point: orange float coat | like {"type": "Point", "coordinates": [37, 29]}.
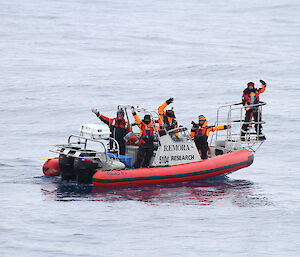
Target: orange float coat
{"type": "Point", "coordinates": [205, 130]}
{"type": "Point", "coordinates": [144, 128]}
{"type": "Point", "coordinates": [122, 124]}
{"type": "Point", "coordinates": [164, 119]}
{"type": "Point", "coordinates": [251, 96]}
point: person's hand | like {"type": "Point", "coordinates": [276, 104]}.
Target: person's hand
{"type": "Point", "coordinates": [227, 126]}
{"type": "Point", "coordinates": [170, 100]}
{"type": "Point", "coordinates": [133, 110]}
{"type": "Point", "coordinates": [194, 124]}
{"type": "Point", "coordinates": [262, 82]}
{"type": "Point", "coordinates": [96, 111]}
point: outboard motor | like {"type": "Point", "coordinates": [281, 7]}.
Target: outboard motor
{"type": "Point", "coordinates": [66, 165]}
{"type": "Point", "coordinates": [84, 169]}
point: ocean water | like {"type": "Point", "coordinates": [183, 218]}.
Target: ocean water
{"type": "Point", "coordinates": [59, 59]}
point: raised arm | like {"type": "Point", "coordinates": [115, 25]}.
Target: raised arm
{"type": "Point", "coordinates": [137, 119]}
{"type": "Point", "coordinates": [263, 87]}
{"type": "Point", "coordinates": [103, 118]}
{"type": "Point", "coordinates": [161, 110]}
{"type": "Point", "coordinates": [222, 127]}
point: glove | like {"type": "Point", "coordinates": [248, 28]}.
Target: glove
{"type": "Point", "coordinates": [142, 141]}
{"type": "Point", "coordinates": [133, 113]}
{"type": "Point", "coordinates": [262, 82]}
{"type": "Point", "coordinates": [227, 126]}
{"type": "Point", "coordinates": [194, 124]}
{"type": "Point", "coordinates": [169, 101]}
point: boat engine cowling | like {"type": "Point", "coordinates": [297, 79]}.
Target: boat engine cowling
{"type": "Point", "coordinates": [66, 167]}
{"type": "Point", "coordinates": [85, 168]}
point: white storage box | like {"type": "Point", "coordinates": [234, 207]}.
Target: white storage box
{"type": "Point", "coordinates": [94, 131]}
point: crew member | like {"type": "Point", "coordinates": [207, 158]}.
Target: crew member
{"type": "Point", "coordinates": [146, 136]}
{"type": "Point", "coordinates": [167, 118]}
{"type": "Point", "coordinates": [251, 97]}
{"type": "Point", "coordinates": [200, 133]}
{"type": "Point", "coordinates": [118, 127]}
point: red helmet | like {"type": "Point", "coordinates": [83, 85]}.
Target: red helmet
{"type": "Point", "coordinates": [250, 84]}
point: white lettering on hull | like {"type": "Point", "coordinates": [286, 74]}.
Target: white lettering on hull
{"type": "Point", "coordinates": [182, 157]}
{"type": "Point", "coordinates": [170, 148]}
{"type": "Point", "coordinates": [165, 159]}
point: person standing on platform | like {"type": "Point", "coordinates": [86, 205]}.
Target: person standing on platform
{"type": "Point", "coordinates": [251, 97]}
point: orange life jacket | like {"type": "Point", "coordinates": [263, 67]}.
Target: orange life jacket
{"type": "Point", "coordinates": [146, 129]}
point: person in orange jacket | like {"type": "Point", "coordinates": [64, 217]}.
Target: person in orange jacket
{"type": "Point", "coordinates": [146, 136]}
{"type": "Point", "coordinates": [200, 133]}
{"type": "Point", "coordinates": [167, 118]}
{"type": "Point", "coordinates": [250, 97]}
{"type": "Point", "coordinates": [118, 127]}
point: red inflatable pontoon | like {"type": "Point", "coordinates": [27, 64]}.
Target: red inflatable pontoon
{"type": "Point", "coordinates": [222, 164]}
{"type": "Point", "coordinates": [51, 167]}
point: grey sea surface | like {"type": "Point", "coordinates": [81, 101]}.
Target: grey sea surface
{"type": "Point", "coordinates": [59, 59]}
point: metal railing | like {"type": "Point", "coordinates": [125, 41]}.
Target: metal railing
{"type": "Point", "coordinates": [234, 116]}
{"type": "Point", "coordinates": [77, 148]}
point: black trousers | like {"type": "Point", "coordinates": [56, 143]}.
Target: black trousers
{"type": "Point", "coordinates": [121, 143]}
{"type": "Point", "coordinates": [257, 118]}
{"type": "Point", "coordinates": [143, 156]}
{"type": "Point", "coordinates": [203, 147]}
{"type": "Point", "coordinates": [122, 148]}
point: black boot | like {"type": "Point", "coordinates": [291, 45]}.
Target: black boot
{"type": "Point", "coordinates": [261, 137]}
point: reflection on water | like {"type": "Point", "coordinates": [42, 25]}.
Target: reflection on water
{"type": "Point", "coordinates": [218, 190]}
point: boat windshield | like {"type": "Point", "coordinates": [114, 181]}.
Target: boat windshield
{"type": "Point", "coordinates": [180, 134]}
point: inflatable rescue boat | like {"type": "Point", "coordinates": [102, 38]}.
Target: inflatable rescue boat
{"type": "Point", "coordinates": [93, 155]}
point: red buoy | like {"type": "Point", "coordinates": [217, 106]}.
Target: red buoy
{"type": "Point", "coordinates": [51, 167]}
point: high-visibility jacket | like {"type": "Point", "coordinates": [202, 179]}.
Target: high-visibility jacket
{"type": "Point", "coordinates": [251, 96]}
{"type": "Point", "coordinates": [118, 128]}
{"type": "Point", "coordinates": [146, 131]}
{"type": "Point", "coordinates": [202, 133]}
{"type": "Point", "coordinates": [170, 123]}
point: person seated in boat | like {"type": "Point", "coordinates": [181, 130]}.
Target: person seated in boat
{"type": "Point", "coordinates": [200, 133]}
{"type": "Point", "coordinates": [251, 97]}
{"type": "Point", "coordinates": [167, 118]}
{"type": "Point", "coordinates": [146, 148]}
{"type": "Point", "coordinates": [118, 127]}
